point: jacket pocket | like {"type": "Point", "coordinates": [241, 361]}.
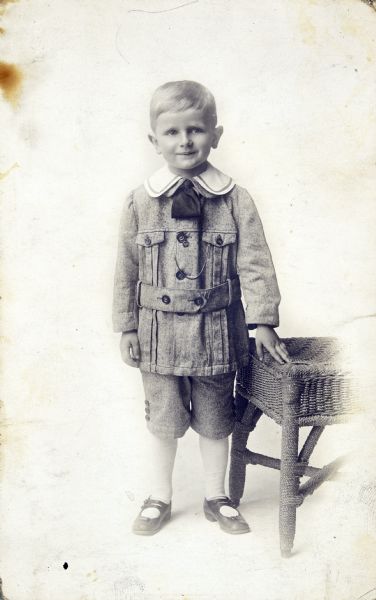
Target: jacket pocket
{"type": "Point", "coordinates": [149, 250]}
{"type": "Point", "coordinates": [219, 247]}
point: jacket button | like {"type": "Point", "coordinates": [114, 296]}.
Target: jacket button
{"type": "Point", "coordinates": [181, 237]}
{"type": "Point", "coordinates": [180, 275]}
{"type": "Point", "coordinates": [198, 301]}
{"type": "Point", "coordinates": [166, 299]}
{"type": "Point", "coordinates": [219, 240]}
{"type": "Point", "coordinates": [147, 240]}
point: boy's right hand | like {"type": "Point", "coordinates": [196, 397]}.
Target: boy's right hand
{"type": "Point", "coordinates": [130, 348]}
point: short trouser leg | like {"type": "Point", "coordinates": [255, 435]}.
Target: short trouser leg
{"type": "Point", "coordinates": [173, 403]}
{"type": "Point", "coordinates": [167, 404]}
{"type": "Point", "coordinates": [213, 408]}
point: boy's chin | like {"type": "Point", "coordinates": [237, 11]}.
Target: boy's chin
{"type": "Point", "coordinates": [189, 171]}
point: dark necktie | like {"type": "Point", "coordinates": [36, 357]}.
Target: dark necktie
{"type": "Point", "coordinates": [186, 202]}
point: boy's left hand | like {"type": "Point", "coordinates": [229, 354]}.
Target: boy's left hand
{"type": "Point", "coordinates": [267, 338]}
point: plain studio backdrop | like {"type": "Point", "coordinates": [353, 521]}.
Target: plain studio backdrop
{"type": "Point", "coordinates": [295, 89]}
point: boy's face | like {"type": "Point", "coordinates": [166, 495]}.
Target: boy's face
{"type": "Point", "coordinates": [185, 139]}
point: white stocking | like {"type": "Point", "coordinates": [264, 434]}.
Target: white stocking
{"type": "Point", "coordinates": [214, 455]}
{"type": "Point", "coordinates": [162, 458]}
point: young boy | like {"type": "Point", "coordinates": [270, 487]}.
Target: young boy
{"type": "Point", "coordinates": [190, 241]}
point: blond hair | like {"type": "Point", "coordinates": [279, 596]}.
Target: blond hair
{"type": "Point", "coordinates": [177, 96]}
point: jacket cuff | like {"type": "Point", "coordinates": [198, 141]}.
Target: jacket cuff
{"type": "Point", "coordinates": [268, 316]}
{"type": "Point", "coordinates": [124, 322]}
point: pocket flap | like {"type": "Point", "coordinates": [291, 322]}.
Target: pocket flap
{"type": "Point", "coordinates": [219, 239]}
{"type": "Point", "coordinates": [149, 238]}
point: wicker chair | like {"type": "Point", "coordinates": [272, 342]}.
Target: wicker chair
{"type": "Point", "coordinates": [311, 390]}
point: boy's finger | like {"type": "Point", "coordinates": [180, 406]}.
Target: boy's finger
{"type": "Point", "coordinates": [127, 358]}
{"type": "Point", "coordinates": [135, 350]}
{"type": "Point", "coordinates": [275, 355]}
{"type": "Point", "coordinates": [282, 350]}
{"type": "Point", "coordinates": [259, 350]}
{"type": "Point", "coordinates": [283, 345]}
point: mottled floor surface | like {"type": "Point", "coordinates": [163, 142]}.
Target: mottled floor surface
{"type": "Point", "coordinates": [79, 474]}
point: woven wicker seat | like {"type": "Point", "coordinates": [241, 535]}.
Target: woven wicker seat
{"type": "Point", "coordinates": [313, 389]}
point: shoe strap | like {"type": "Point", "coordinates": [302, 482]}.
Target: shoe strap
{"type": "Point", "coordinates": [151, 503]}
{"type": "Point", "coordinates": [223, 501]}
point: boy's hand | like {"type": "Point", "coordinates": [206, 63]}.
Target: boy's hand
{"type": "Point", "coordinates": [267, 338]}
{"type": "Point", "coordinates": [130, 348]}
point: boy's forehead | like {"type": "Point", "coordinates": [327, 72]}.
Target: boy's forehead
{"type": "Point", "coordinates": [183, 117]}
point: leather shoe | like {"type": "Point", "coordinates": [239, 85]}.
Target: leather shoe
{"type": "Point", "coordinates": [230, 524]}
{"type": "Point", "coordinates": [144, 525]}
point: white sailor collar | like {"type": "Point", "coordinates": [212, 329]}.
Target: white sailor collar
{"type": "Point", "coordinates": [212, 180]}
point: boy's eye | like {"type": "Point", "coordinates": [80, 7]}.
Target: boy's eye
{"type": "Point", "coordinates": [196, 130]}
{"type": "Point", "coordinates": [171, 131]}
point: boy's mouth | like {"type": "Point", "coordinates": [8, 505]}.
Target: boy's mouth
{"type": "Point", "coordinates": [186, 153]}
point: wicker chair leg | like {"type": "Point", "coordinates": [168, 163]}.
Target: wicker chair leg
{"type": "Point", "coordinates": [287, 520]}
{"type": "Point", "coordinates": [238, 462]}
{"type": "Point", "coordinates": [237, 477]}
{"type": "Point", "coordinates": [289, 481]}
{"type": "Point", "coordinates": [250, 415]}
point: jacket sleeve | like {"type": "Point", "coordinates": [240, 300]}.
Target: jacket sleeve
{"type": "Point", "coordinates": [254, 264]}
{"type": "Point", "coordinates": [124, 314]}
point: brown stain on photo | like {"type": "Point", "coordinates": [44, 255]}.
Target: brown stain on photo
{"type": "Point", "coordinates": [3, 8]}
{"type": "Point", "coordinates": [307, 29]}
{"type": "Point", "coordinates": [6, 173]}
{"type": "Point", "coordinates": [3, 4]}
{"type": "Point", "coordinates": [10, 81]}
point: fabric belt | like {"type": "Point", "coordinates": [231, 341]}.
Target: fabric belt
{"type": "Point", "coordinates": [188, 301]}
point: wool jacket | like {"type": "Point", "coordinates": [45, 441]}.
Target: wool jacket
{"type": "Point", "coordinates": [185, 257]}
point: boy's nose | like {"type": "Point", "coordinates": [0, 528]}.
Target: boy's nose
{"type": "Point", "coordinates": [185, 140]}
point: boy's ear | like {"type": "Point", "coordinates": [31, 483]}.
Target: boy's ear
{"type": "Point", "coordinates": [217, 136]}
{"type": "Point", "coordinates": [154, 141]}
